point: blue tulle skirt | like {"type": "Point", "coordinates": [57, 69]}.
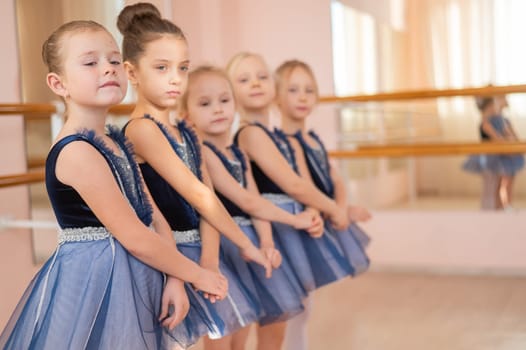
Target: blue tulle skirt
{"type": "Point", "coordinates": [353, 242]}
{"type": "Point", "coordinates": [315, 261]}
{"type": "Point", "coordinates": [239, 309]}
{"type": "Point", "coordinates": [280, 296]}
{"type": "Point", "coordinates": [90, 295]}
{"type": "Point", "coordinates": [363, 238]}
{"type": "Point", "coordinates": [507, 164]}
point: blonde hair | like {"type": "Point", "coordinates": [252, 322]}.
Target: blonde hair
{"type": "Point", "coordinates": [196, 73]}
{"type": "Point", "coordinates": [232, 66]}
{"type": "Point", "coordinates": [284, 71]}
{"type": "Point", "coordinates": [52, 47]}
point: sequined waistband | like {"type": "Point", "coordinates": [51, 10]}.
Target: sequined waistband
{"type": "Point", "coordinates": [242, 220]}
{"type": "Point", "coordinates": [82, 234]}
{"type": "Point", "coordinates": [188, 236]}
{"type": "Point", "coordinates": [278, 198]}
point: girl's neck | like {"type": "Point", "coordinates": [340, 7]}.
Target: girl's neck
{"type": "Point", "coordinates": [220, 141]}
{"type": "Point", "coordinates": [144, 106]}
{"type": "Point", "coordinates": [80, 117]}
{"type": "Point", "coordinates": [261, 116]}
{"type": "Point", "coordinates": [291, 126]}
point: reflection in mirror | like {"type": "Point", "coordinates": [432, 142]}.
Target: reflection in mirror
{"type": "Point", "coordinates": [464, 181]}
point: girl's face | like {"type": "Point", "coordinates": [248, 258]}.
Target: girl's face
{"type": "Point", "coordinates": [93, 74]}
{"type": "Point", "coordinates": [253, 84]}
{"type": "Point", "coordinates": [210, 104]}
{"type": "Point", "coordinates": [162, 72]}
{"type": "Point", "coordinates": [499, 103]}
{"type": "Point", "coordinates": [297, 96]}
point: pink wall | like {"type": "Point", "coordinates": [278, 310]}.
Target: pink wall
{"type": "Point", "coordinates": [279, 30]}
{"type": "Point", "coordinates": [16, 262]}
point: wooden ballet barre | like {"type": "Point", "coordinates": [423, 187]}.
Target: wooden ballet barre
{"type": "Point", "coordinates": [45, 110]}
{"type": "Point", "coordinates": [26, 108]}
{"type": "Point", "coordinates": [426, 94]}
{"type": "Point", "coordinates": [431, 149]}
{"type": "Point", "coordinates": [22, 179]}
{"type": "Point", "coordinates": [373, 151]}
{"type": "Point", "coordinates": [35, 162]}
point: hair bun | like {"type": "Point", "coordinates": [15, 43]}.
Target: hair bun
{"type": "Point", "coordinates": [132, 13]}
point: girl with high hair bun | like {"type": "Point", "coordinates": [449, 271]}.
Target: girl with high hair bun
{"type": "Point", "coordinates": [169, 155]}
{"type": "Point", "coordinates": [102, 288]}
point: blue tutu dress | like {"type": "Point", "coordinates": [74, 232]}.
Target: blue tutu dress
{"type": "Point", "coordinates": [280, 296]}
{"type": "Point", "coordinates": [499, 164]}
{"type": "Point", "coordinates": [240, 307]}
{"type": "Point", "coordinates": [353, 239]}
{"type": "Point", "coordinates": [315, 261]}
{"type": "Point", "coordinates": [91, 293]}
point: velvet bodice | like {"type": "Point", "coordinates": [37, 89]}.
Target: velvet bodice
{"type": "Point", "coordinates": [264, 183]}
{"type": "Point", "coordinates": [180, 214]}
{"type": "Point", "coordinates": [235, 167]}
{"type": "Point", "coordinates": [69, 207]}
{"type": "Point", "coordinates": [317, 162]}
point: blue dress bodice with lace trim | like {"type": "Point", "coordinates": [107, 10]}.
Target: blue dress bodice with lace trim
{"type": "Point", "coordinates": [70, 209]}
{"type": "Point", "coordinates": [91, 283]}
{"type": "Point", "coordinates": [237, 168]}
{"type": "Point", "coordinates": [264, 183]}
{"type": "Point", "coordinates": [317, 162]}
{"type": "Point", "coordinates": [181, 216]}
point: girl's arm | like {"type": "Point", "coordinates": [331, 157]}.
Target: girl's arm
{"type": "Point", "coordinates": [303, 169]}
{"type": "Point", "coordinates": [340, 192]}
{"type": "Point", "coordinates": [266, 242]}
{"type": "Point", "coordinates": [82, 167]}
{"type": "Point", "coordinates": [490, 130]}
{"type": "Point", "coordinates": [209, 235]}
{"type": "Point", "coordinates": [174, 293]}
{"type": "Point", "coordinates": [509, 131]}
{"type": "Point", "coordinates": [152, 146]}
{"type": "Point", "coordinates": [249, 199]}
{"type": "Point", "coordinates": [261, 149]}
{"type": "Point", "coordinates": [355, 213]}
{"type": "Point", "coordinates": [236, 235]}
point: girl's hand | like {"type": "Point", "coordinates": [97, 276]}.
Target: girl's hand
{"type": "Point", "coordinates": [317, 226]}
{"type": "Point", "coordinates": [212, 283]}
{"type": "Point", "coordinates": [251, 253]}
{"type": "Point", "coordinates": [358, 214]}
{"type": "Point", "coordinates": [304, 220]}
{"type": "Point", "coordinates": [339, 219]}
{"type": "Point", "coordinates": [174, 300]}
{"type": "Point", "coordinates": [273, 255]}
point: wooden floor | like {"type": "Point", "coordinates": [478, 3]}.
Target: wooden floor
{"type": "Point", "coordinates": [397, 311]}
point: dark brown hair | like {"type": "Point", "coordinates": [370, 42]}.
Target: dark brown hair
{"type": "Point", "coordinates": [51, 49]}
{"type": "Point", "coordinates": [140, 24]}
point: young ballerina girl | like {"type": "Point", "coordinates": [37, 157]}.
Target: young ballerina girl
{"type": "Point", "coordinates": [156, 60]}
{"type": "Point", "coordinates": [499, 170]}
{"type": "Point", "coordinates": [101, 289]}
{"type": "Point", "coordinates": [317, 260]}
{"type": "Point", "coordinates": [297, 95]}
{"type": "Point", "coordinates": [209, 105]}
